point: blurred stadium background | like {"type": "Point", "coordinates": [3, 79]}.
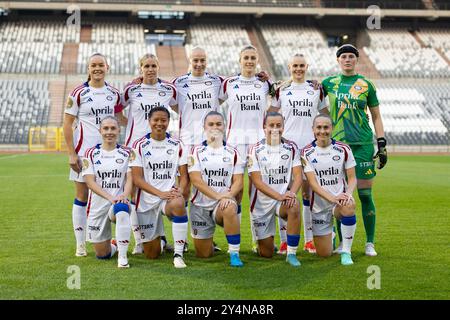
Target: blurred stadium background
{"type": "Point", "coordinates": [42, 57]}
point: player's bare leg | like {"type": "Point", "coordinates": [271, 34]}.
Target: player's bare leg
{"type": "Point", "coordinates": [152, 249]}
{"type": "Point", "coordinates": [307, 219]}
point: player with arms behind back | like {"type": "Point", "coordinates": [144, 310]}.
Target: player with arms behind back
{"type": "Point", "coordinates": [216, 171]}
{"type": "Point", "coordinates": [329, 166]}
{"type": "Point", "coordinates": [106, 172]}
{"type": "Point", "coordinates": [299, 103]}
{"type": "Point", "coordinates": [272, 164]}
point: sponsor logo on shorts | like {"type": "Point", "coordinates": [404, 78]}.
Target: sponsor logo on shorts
{"type": "Point", "coordinates": [316, 221]}
{"type": "Point", "coordinates": [94, 228]}
{"type": "Point", "coordinates": [199, 223]}
{"type": "Point", "coordinates": [146, 226]}
{"type": "Point", "coordinates": [336, 158]}
{"type": "Point", "coordinates": [259, 224]}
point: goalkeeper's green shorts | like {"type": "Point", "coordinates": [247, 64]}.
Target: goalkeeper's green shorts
{"type": "Point", "coordinates": [365, 165]}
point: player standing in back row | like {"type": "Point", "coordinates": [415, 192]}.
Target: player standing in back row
{"type": "Point", "coordinates": [299, 103]}
{"type": "Point", "coordinates": [88, 104]}
{"type": "Point", "coordinates": [247, 100]}
{"type": "Point", "coordinates": [350, 95]}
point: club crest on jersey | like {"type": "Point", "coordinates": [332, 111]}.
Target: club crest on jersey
{"type": "Point", "coordinates": [109, 98]}
{"type": "Point", "coordinates": [69, 103]}
{"type": "Point", "coordinates": [310, 92]}
{"type": "Point", "coordinates": [85, 164]}
{"type": "Point", "coordinates": [139, 95]}
{"type": "Point", "coordinates": [162, 94]}
{"type": "Point", "coordinates": [284, 157]}
{"type": "Point", "coordinates": [336, 158]}
{"type": "Point", "coordinates": [119, 161]}
{"type": "Point", "coordinates": [208, 83]}
{"type": "Point", "coordinates": [170, 151]}
{"type": "Point", "coordinates": [226, 159]}
{"type": "Point", "coordinates": [190, 161]}
{"type": "Point", "coordinates": [257, 85]}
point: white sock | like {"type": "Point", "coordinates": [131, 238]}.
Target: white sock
{"type": "Point", "coordinates": [79, 220]}
{"type": "Point", "coordinates": [291, 250]}
{"type": "Point", "coordinates": [307, 223]}
{"type": "Point", "coordinates": [123, 230]}
{"type": "Point", "coordinates": [234, 247]}
{"type": "Point", "coordinates": [135, 224]}
{"type": "Point", "coordinates": [186, 207]}
{"type": "Point", "coordinates": [113, 250]}
{"type": "Point", "coordinates": [348, 227]}
{"type": "Point", "coordinates": [179, 231]}
{"type": "Point", "coordinates": [282, 224]}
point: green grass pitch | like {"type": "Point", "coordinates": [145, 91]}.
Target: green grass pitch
{"type": "Point", "coordinates": [413, 242]}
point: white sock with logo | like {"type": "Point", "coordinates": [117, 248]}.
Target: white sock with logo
{"type": "Point", "coordinates": [79, 220]}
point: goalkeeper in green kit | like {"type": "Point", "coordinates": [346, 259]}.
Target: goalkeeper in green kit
{"type": "Point", "coordinates": [350, 96]}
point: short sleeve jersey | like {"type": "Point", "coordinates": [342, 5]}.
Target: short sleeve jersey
{"type": "Point", "coordinates": [140, 99]}
{"type": "Point", "coordinates": [160, 161]}
{"type": "Point", "coordinates": [217, 167]}
{"type": "Point", "coordinates": [247, 105]}
{"type": "Point", "coordinates": [275, 164]}
{"type": "Point", "coordinates": [299, 104]}
{"type": "Point", "coordinates": [329, 165]}
{"type": "Point", "coordinates": [90, 106]}
{"type": "Point", "coordinates": [349, 98]}
{"type": "Point", "coordinates": [196, 97]}
{"type": "Point", "coordinates": [109, 169]}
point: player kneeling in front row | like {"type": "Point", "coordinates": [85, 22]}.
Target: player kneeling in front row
{"type": "Point", "coordinates": [106, 172]}
{"type": "Point", "coordinates": [272, 163]}
{"type": "Point", "coordinates": [157, 160]}
{"type": "Point", "coordinates": [216, 172]}
{"type": "Point", "coordinates": [327, 164]}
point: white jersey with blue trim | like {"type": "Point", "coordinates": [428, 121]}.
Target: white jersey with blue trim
{"type": "Point", "coordinates": [140, 99]}
{"type": "Point", "coordinates": [217, 166]}
{"type": "Point", "coordinates": [91, 105]}
{"type": "Point", "coordinates": [110, 171]}
{"type": "Point", "coordinates": [299, 104]}
{"type": "Point", "coordinates": [160, 161]}
{"type": "Point", "coordinates": [247, 100]}
{"type": "Point", "coordinates": [329, 165]}
{"type": "Point", "coordinates": [275, 163]}
{"type": "Point", "coordinates": [196, 97]}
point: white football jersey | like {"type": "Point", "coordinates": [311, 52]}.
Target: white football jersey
{"type": "Point", "coordinates": [247, 104]}
{"type": "Point", "coordinates": [299, 104]}
{"type": "Point", "coordinates": [329, 165]}
{"type": "Point", "coordinates": [160, 161]}
{"type": "Point", "coordinates": [140, 99]}
{"type": "Point", "coordinates": [217, 166]}
{"type": "Point", "coordinates": [196, 97]}
{"type": "Point", "coordinates": [90, 105]}
{"type": "Point", "coordinates": [110, 170]}
{"type": "Point", "coordinates": [275, 164]}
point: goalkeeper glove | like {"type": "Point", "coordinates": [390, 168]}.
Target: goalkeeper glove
{"type": "Point", "coordinates": [382, 153]}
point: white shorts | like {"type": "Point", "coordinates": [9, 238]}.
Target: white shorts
{"type": "Point", "coordinates": [322, 222]}
{"type": "Point", "coordinates": [203, 221]}
{"type": "Point", "coordinates": [264, 223]}
{"type": "Point", "coordinates": [99, 225]}
{"type": "Point", "coordinates": [73, 176]}
{"type": "Point", "coordinates": [151, 223]}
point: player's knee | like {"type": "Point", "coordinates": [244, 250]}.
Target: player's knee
{"type": "Point", "coordinates": [323, 253]}
{"type": "Point", "coordinates": [295, 210]}
{"type": "Point", "coordinates": [266, 251]}
{"type": "Point", "coordinates": [348, 210]}
{"type": "Point", "coordinates": [119, 207]}
{"type": "Point", "coordinates": [229, 212]}
{"type": "Point", "coordinates": [178, 205]}
{"type": "Point", "coordinates": [305, 196]}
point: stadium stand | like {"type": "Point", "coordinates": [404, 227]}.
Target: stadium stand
{"type": "Point", "coordinates": [262, 3]}
{"type": "Point", "coordinates": [25, 103]}
{"type": "Point", "coordinates": [222, 43]}
{"type": "Point", "coordinates": [398, 4]}
{"type": "Point", "coordinates": [285, 41]}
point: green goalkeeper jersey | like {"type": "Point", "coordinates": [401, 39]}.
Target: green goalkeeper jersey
{"type": "Point", "coordinates": [349, 97]}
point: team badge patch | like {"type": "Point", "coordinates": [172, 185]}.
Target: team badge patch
{"type": "Point", "coordinates": [190, 161]}
{"type": "Point", "coordinates": [336, 158]}
{"type": "Point", "coordinates": [119, 161]}
{"type": "Point", "coordinates": [85, 163]}
{"type": "Point", "coordinates": [284, 157]}
{"type": "Point", "coordinates": [132, 155]}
